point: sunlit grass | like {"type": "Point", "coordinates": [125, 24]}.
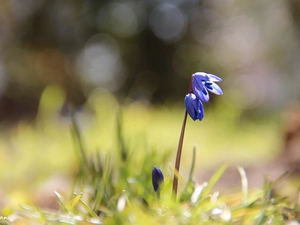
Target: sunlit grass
{"type": "Point", "coordinates": [122, 143]}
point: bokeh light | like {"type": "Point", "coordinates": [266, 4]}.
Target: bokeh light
{"type": "Point", "coordinates": [167, 22]}
{"type": "Point", "coordinates": [124, 19]}
{"type": "Point", "coordinates": [99, 63]}
{"type": "Point", "coordinates": [109, 45]}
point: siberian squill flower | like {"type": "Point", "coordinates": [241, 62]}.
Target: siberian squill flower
{"type": "Point", "coordinates": [157, 179]}
{"type": "Point", "coordinates": [201, 84]}
{"type": "Point", "coordinates": [204, 82]}
{"type": "Point", "coordinates": [194, 107]}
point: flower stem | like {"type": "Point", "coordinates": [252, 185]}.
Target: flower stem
{"type": "Point", "coordinates": [158, 194]}
{"type": "Point", "coordinates": [178, 156]}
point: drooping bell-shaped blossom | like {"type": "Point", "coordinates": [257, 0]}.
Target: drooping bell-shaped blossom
{"type": "Point", "coordinates": [204, 82]}
{"type": "Point", "coordinates": [194, 107]}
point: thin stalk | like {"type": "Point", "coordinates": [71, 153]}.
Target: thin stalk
{"type": "Point", "coordinates": [158, 194]}
{"type": "Point", "coordinates": [178, 156]}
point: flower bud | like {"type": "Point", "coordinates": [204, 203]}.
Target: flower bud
{"type": "Point", "coordinates": [194, 107]}
{"type": "Point", "coordinates": [157, 178]}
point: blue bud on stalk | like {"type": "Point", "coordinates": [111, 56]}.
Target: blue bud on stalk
{"type": "Point", "coordinates": [157, 178]}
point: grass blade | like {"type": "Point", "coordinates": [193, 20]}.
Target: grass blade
{"type": "Point", "coordinates": [244, 181]}
{"type": "Point", "coordinates": [281, 178]}
{"type": "Point", "coordinates": [122, 146]}
{"type": "Point", "coordinates": [88, 209]}
{"type": "Point", "coordinates": [61, 201]}
{"type": "Point", "coordinates": [184, 194]}
{"type": "Point", "coordinates": [179, 177]}
{"type": "Point", "coordinates": [73, 201]}
{"type": "Point", "coordinates": [213, 180]}
{"type": "Point", "coordinates": [267, 196]}
{"type": "Point", "coordinates": [79, 144]}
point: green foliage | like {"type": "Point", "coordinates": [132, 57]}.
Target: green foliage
{"type": "Point", "coordinates": [131, 207]}
{"type": "Point", "coordinates": [113, 160]}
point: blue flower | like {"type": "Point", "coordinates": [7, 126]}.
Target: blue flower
{"type": "Point", "coordinates": [194, 107]}
{"type": "Point", "coordinates": [204, 82]}
{"type": "Point", "coordinates": [157, 178]}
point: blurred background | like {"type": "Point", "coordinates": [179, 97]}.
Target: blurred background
{"type": "Point", "coordinates": [94, 56]}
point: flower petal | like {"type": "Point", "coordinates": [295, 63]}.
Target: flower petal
{"type": "Point", "coordinates": [214, 78]}
{"type": "Point", "coordinates": [197, 83]}
{"type": "Point", "coordinates": [200, 110]}
{"type": "Point", "coordinates": [194, 107]}
{"type": "Point", "coordinates": [201, 94]}
{"type": "Point", "coordinates": [191, 105]}
{"type": "Point", "coordinates": [202, 76]}
{"type": "Point", "coordinates": [214, 88]}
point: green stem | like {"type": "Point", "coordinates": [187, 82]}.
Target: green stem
{"type": "Point", "coordinates": [158, 194]}
{"type": "Point", "coordinates": [178, 156]}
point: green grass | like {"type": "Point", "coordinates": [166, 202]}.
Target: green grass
{"type": "Point", "coordinates": [106, 154]}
